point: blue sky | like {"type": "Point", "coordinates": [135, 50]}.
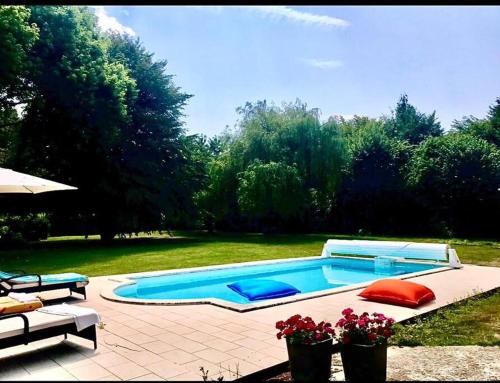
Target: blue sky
{"type": "Point", "coordinates": [342, 60]}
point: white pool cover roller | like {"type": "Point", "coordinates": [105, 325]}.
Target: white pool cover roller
{"type": "Point", "coordinates": [411, 250]}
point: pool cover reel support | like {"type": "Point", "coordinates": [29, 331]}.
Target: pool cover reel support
{"type": "Point", "coordinates": [453, 259]}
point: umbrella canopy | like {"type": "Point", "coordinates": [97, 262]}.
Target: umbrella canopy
{"type": "Point", "coordinates": [15, 182]}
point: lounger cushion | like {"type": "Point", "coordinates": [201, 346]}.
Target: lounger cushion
{"type": "Point", "coordinates": [47, 279]}
{"type": "Point", "coordinates": [10, 305]}
{"type": "Point", "coordinates": [398, 292]}
{"type": "Point", "coordinates": [256, 289]}
{"type": "Point", "coordinates": [37, 320]}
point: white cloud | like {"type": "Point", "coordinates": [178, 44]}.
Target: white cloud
{"type": "Point", "coordinates": [290, 14]}
{"type": "Point", "coordinates": [110, 23]}
{"type": "Point", "coordinates": [324, 64]}
{"type": "Point", "coordinates": [281, 12]}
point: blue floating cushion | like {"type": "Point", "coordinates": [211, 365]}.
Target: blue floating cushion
{"type": "Point", "coordinates": [256, 289]}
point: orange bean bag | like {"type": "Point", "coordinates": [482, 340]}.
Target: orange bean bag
{"type": "Point", "coordinates": [398, 292]}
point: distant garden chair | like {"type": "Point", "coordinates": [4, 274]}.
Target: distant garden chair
{"type": "Point", "coordinates": [19, 281]}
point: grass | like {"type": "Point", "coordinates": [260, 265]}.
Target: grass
{"type": "Point", "coordinates": [191, 249]}
{"type": "Point", "coordinates": [474, 321]}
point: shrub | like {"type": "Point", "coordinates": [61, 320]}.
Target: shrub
{"type": "Point", "coordinates": [456, 177]}
{"type": "Point", "coordinates": [16, 229]}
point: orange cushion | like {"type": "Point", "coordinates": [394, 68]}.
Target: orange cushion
{"type": "Point", "coordinates": [398, 292]}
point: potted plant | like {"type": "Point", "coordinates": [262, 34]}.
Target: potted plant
{"type": "Point", "coordinates": [309, 348]}
{"type": "Point", "coordinates": [363, 342]}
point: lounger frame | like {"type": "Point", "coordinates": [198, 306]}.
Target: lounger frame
{"type": "Point", "coordinates": [30, 336]}
{"type": "Point", "coordinates": [74, 287]}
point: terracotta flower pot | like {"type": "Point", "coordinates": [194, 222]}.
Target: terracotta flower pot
{"type": "Point", "coordinates": [364, 362]}
{"type": "Point", "coordinates": [310, 363]}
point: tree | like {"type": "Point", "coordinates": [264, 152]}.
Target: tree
{"type": "Point", "coordinates": [291, 135]}
{"type": "Point", "coordinates": [106, 118]}
{"type": "Point", "coordinates": [408, 124]}
{"type": "Point", "coordinates": [18, 36]}
{"type": "Point", "coordinates": [457, 177]}
{"type": "Point", "coordinates": [271, 193]}
{"type": "Point", "coordinates": [487, 128]}
{"type": "Point", "coordinates": [372, 197]}
{"type": "Point", "coordinates": [154, 154]}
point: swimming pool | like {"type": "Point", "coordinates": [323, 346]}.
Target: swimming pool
{"type": "Point", "coordinates": [318, 274]}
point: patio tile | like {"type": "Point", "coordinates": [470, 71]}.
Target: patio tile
{"type": "Point", "coordinates": [52, 374]}
{"type": "Point", "coordinates": [201, 337]}
{"type": "Point", "coordinates": [141, 338]}
{"type": "Point", "coordinates": [228, 335]}
{"type": "Point", "coordinates": [180, 329]}
{"type": "Point", "coordinates": [158, 346]}
{"type": "Point", "coordinates": [166, 369]}
{"type": "Point", "coordinates": [277, 352]}
{"type": "Point", "coordinates": [251, 344]}
{"type": "Point", "coordinates": [239, 367]}
{"type": "Point", "coordinates": [69, 359]}
{"type": "Point", "coordinates": [151, 330]}
{"type": "Point", "coordinates": [205, 327]}
{"type": "Point", "coordinates": [256, 334]}
{"type": "Point", "coordinates": [110, 378]}
{"type": "Point", "coordinates": [195, 366]}
{"type": "Point", "coordinates": [213, 355]}
{"type": "Point", "coordinates": [221, 344]}
{"type": "Point", "coordinates": [142, 357]}
{"type": "Point", "coordinates": [109, 359]}
{"type": "Point", "coordinates": [11, 370]}
{"type": "Point", "coordinates": [134, 323]}
{"type": "Point", "coordinates": [178, 356]}
{"type": "Point", "coordinates": [128, 370]}
{"type": "Point", "coordinates": [120, 330]}
{"type": "Point", "coordinates": [172, 316]}
{"type": "Point", "coordinates": [38, 362]}
{"type": "Point", "coordinates": [149, 378]}
{"type": "Point", "coordinates": [170, 338]}
{"type": "Point", "coordinates": [89, 372]}
{"type": "Point", "coordinates": [190, 345]}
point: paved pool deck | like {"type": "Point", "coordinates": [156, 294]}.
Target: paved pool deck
{"type": "Point", "coordinates": [150, 342]}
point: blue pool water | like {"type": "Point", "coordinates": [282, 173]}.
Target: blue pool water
{"type": "Point", "coordinates": [306, 275]}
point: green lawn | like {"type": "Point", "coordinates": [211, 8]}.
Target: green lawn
{"type": "Point", "coordinates": [475, 321]}
{"type": "Point", "coordinates": [190, 249]}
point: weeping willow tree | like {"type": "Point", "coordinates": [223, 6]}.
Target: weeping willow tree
{"type": "Point", "coordinates": [300, 156]}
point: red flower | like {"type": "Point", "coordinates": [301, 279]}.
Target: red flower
{"type": "Point", "coordinates": [347, 311]}
{"type": "Point", "coordinates": [372, 337]}
{"type": "Point", "coordinates": [280, 325]}
{"type": "Point", "coordinates": [362, 323]}
{"type": "Point", "coordinates": [279, 335]}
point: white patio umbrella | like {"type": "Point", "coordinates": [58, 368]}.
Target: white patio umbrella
{"type": "Point", "coordinates": [15, 182]}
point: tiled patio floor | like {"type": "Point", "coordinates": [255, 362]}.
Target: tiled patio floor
{"type": "Point", "coordinates": [146, 342]}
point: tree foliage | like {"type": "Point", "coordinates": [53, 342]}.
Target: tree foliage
{"type": "Point", "coordinates": [457, 177]}
{"type": "Point", "coordinates": [373, 192]}
{"type": "Point", "coordinates": [270, 193]}
{"type": "Point", "coordinates": [409, 124]}
{"type": "Point", "coordinates": [487, 128]}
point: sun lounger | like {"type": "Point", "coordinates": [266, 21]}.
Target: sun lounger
{"type": "Point", "coordinates": [19, 281]}
{"type": "Point", "coordinates": [17, 329]}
